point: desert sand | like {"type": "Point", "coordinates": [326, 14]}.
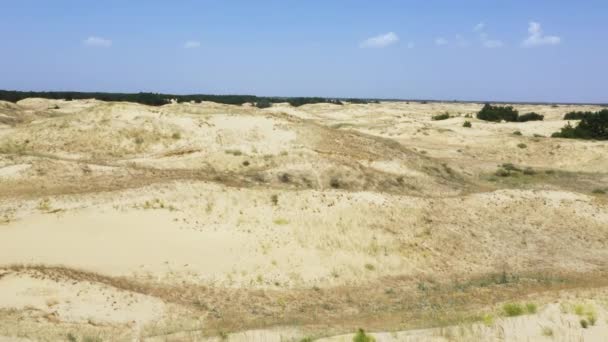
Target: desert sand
{"type": "Point", "coordinates": [210, 222]}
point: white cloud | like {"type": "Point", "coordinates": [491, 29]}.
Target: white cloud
{"type": "Point", "coordinates": [492, 44]}
{"type": "Point", "coordinates": [479, 27]}
{"type": "Point", "coordinates": [380, 41]}
{"type": "Point", "coordinates": [485, 38]}
{"type": "Point", "coordinates": [192, 44]}
{"type": "Point", "coordinates": [441, 41]}
{"type": "Point", "coordinates": [97, 42]}
{"type": "Point", "coordinates": [537, 37]}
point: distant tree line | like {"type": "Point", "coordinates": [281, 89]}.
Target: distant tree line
{"type": "Point", "coordinates": [157, 99]}
{"type": "Point", "coordinates": [506, 113]}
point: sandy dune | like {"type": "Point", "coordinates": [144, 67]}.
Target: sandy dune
{"type": "Point", "coordinates": [209, 222]}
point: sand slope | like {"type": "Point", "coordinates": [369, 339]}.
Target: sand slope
{"type": "Point", "coordinates": [204, 221]}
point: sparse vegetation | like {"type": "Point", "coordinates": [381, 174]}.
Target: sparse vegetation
{"type": "Point", "coordinates": [513, 309]}
{"type": "Point", "coordinates": [584, 323]}
{"type": "Point", "coordinates": [443, 116]}
{"type": "Point", "coordinates": [361, 336]}
{"type": "Point", "coordinates": [281, 221]}
{"type": "Point", "coordinates": [44, 205]}
{"type": "Point", "coordinates": [517, 133]}
{"type": "Point", "coordinates": [522, 145]}
{"type": "Point", "coordinates": [234, 152]}
{"type": "Point", "coordinates": [467, 124]}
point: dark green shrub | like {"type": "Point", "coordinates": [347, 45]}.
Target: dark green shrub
{"type": "Point", "coordinates": [584, 324]}
{"type": "Point", "coordinates": [497, 113]}
{"type": "Point", "coordinates": [443, 116]}
{"type": "Point", "coordinates": [517, 133]}
{"type": "Point", "coordinates": [530, 117]}
{"type": "Point", "coordinates": [591, 126]}
{"type": "Point", "coordinates": [467, 124]}
{"type": "Point", "coordinates": [576, 115]}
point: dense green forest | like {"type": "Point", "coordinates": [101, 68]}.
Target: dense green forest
{"type": "Point", "coordinates": [156, 99]}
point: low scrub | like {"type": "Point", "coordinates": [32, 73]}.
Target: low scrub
{"type": "Point", "coordinates": [530, 117]}
{"type": "Point", "coordinates": [506, 113]}
{"type": "Point", "coordinates": [591, 126]}
{"type": "Point", "coordinates": [497, 113]}
{"type": "Point", "coordinates": [443, 116]}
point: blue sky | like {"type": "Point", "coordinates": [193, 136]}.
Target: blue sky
{"type": "Point", "coordinates": [516, 50]}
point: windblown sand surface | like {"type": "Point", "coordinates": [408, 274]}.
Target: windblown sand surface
{"type": "Point", "coordinates": [210, 222]}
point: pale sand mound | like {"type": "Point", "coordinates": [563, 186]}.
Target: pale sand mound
{"type": "Point", "coordinates": [75, 302]}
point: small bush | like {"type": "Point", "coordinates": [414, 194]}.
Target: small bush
{"type": "Point", "coordinates": [361, 336]}
{"type": "Point", "coordinates": [547, 332]}
{"type": "Point", "coordinates": [467, 124]}
{"type": "Point", "coordinates": [599, 191]}
{"type": "Point", "coordinates": [274, 199]}
{"type": "Point", "coordinates": [246, 163]}
{"type": "Point", "coordinates": [531, 308]}
{"type": "Point", "coordinates": [176, 136]}
{"type": "Point", "coordinates": [530, 117]}
{"type": "Point", "coordinates": [285, 177]}
{"type": "Point", "coordinates": [370, 267]}
{"type": "Point", "coordinates": [488, 320]}
{"type": "Point", "coordinates": [584, 323]}
{"type": "Point", "coordinates": [234, 152]}
{"type": "Point", "coordinates": [497, 113]}
{"type": "Point", "coordinates": [522, 145]}
{"type": "Point", "coordinates": [513, 309]}
{"type": "Point", "coordinates": [280, 221]}
{"type": "Point", "coordinates": [443, 116]}
{"type": "Point", "coordinates": [334, 183]}
{"type": "Point", "coordinates": [517, 133]}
